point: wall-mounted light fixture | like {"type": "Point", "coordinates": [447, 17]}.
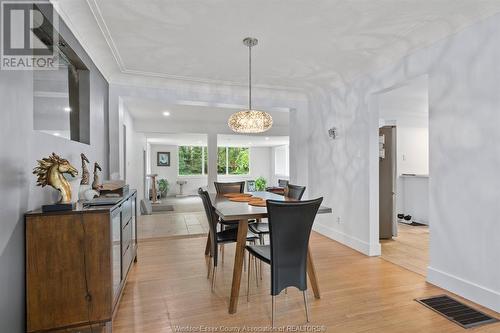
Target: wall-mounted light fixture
{"type": "Point", "coordinates": [333, 133]}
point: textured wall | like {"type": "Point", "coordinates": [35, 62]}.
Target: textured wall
{"type": "Point", "coordinates": [20, 147]}
{"type": "Point", "coordinates": [464, 104]}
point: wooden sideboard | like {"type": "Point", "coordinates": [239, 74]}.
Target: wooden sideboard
{"type": "Point", "coordinates": [77, 264]}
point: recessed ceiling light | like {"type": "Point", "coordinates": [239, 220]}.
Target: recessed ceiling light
{"type": "Point", "coordinates": [267, 138]}
{"type": "Point", "coordinates": [166, 113]}
{"type": "Point", "coordinates": [67, 109]}
{"type": "Point", "coordinates": [57, 134]}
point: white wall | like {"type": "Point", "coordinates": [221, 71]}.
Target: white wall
{"type": "Point", "coordinates": [464, 185]}
{"type": "Point", "coordinates": [20, 147]}
{"type": "Point", "coordinates": [412, 150]}
{"type": "Point", "coordinates": [275, 174]}
{"type": "Point", "coordinates": [260, 165]}
{"type": "Point", "coordinates": [135, 145]}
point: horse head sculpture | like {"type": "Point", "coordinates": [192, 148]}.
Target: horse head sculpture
{"type": "Point", "coordinates": [50, 171]}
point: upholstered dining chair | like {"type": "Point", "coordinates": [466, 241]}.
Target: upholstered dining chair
{"type": "Point", "coordinates": [294, 192]}
{"type": "Point", "coordinates": [217, 237]}
{"type": "Point", "coordinates": [290, 224]}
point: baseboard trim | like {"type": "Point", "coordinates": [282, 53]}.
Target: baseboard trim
{"type": "Point", "coordinates": [352, 242]}
{"type": "Point", "coordinates": [466, 289]}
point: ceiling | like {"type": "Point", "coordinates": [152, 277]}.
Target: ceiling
{"type": "Point", "coordinates": [300, 42]}
{"type": "Point", "coordinates": [188, 111]}
{"type": "Point", "coordinates": [192, 139]}
{"type": "Point", "coordinates": [409, 100]}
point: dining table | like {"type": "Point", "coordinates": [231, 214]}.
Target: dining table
{"type": "Point", "coordinates": [242, 212]}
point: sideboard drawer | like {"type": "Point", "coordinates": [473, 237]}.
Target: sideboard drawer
{"type": "Point", "coordinates": [126, 260]}
{"type": "Point", "coordinates": [126, 211]}
{"type": "Point", "coordinates": [126, 236]}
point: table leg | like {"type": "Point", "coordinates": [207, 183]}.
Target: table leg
{"type": "Point", "coordinates": [239, 256]}
{"type": "Point", "coordinates": [311, 271]}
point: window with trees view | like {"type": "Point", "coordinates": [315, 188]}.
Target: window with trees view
{"type": "Point", "coordinates": [233, 161]}
{"type": "Point", "coordinates": [193, 160]}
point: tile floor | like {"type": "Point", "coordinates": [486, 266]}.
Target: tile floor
{"type": "Point", "coordinates": [187, 220]}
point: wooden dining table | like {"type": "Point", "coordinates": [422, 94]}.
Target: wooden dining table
{"type": "Point", "coordinates": [242, 212]}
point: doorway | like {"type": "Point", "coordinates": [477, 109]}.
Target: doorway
{"type": "Point", "coordinates": [404, 175]}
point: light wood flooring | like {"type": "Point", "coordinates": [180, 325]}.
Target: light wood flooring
{"type": "Point", "coordinates": [410, 249]}
{"type": "Point", "coordinates": [168, 288]}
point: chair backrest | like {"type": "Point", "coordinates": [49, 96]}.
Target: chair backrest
{"type": "Point", "coordinates": [233, 187]}
{"type": "Point", "coordinates": [294, 191]}
{"type": "Point", "coordinates": [282, 182]}
{"type": "Point", "coordinates": [290, 225]}
{"type": "Point", "coordinates": [212, 220]}
{"type": "Point", "coordinates": [251, 186]}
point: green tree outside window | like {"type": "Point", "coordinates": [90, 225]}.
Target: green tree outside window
{"type": "Point", "coordinates": [191, 160]}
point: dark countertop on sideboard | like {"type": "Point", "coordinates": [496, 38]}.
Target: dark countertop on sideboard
{"type": "Point", "coordinates": [81, 209]}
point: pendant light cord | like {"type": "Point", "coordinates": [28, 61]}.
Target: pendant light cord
{"type": "Point", "coordinates": [250, 77]}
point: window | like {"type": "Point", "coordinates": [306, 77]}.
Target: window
{"type": "Point", "coordinates": [281, 161]}
{"type": "Point", "coordinates": [233, 161]}
{"type": "Point", "coordinates": [193, 160]}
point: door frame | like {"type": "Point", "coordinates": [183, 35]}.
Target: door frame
{"type": "Point", "coordinates": [375, 248]}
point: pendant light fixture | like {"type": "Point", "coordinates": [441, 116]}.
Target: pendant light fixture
{"type": "Point", "coordinates": [250, 121]}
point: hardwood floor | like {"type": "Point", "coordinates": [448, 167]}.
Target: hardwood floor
{"type": "Point", "coordinates": [168, 288]}
{"type": "Point", "coordinates": [410, 249]}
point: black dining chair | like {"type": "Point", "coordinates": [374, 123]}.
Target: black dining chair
{"type": "Point", "coordinates": [290, 225]}
{"type": "Point", "coordinates": [282, 182]}
{"type": "Point", "coordinates": [231, 187]}
{"type": "Point", "coordinates": [261, 228]}
{"type": "Point", "coordinates": [225, 188]}
{"type": "Point", "coordinates": [218, 237]}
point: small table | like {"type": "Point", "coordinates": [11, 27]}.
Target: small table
{"type": "Point", "coordinates": [242, 211]}
{"type": "Point", "coordinates": [181, 183]}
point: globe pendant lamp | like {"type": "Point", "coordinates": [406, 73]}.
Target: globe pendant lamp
{"type": "Point", "coordinates": [250, 121]}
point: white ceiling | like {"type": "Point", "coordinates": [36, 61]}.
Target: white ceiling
{"type": "Point", "coordinates": [407, 101]}
{"type": "Point", "coordinates": [191, 139]}
{"type": "Point", "coordinates": [190, 111]}
{"type": "Point", "coordinates": [300, 42]}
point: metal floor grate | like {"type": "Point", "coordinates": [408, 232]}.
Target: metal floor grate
{"type": "Point", "coordinates": [456, 311]}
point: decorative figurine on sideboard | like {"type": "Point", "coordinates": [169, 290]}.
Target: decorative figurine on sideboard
{"type": "Point", "coordinates": [96, 184]}
{"type": "Point", "coordinates": [50, 171]}
{"type": "Point", "coordinates": [85, 171]}
{"type": "Point", "coordinates": [86, 192]}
